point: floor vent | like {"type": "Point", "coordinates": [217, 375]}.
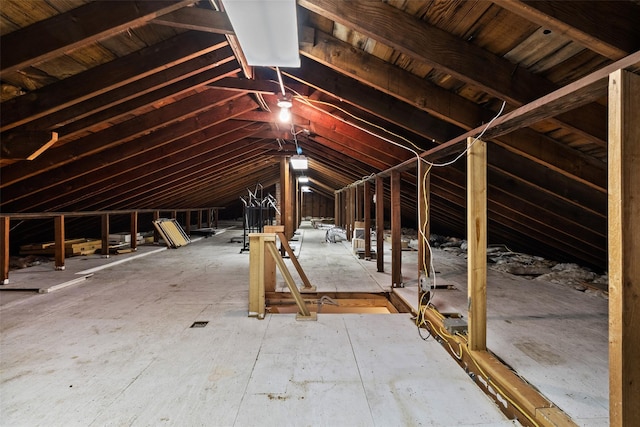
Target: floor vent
{"type": "Point", "coordinates": [200, 324]}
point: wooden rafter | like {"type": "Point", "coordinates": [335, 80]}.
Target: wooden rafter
{"type": "Point", "coordinates": [109, 76]}
{"type": "Point", "coordinates": [406, 87]}
{"type": "Point", "coordinates": [442, 50]}
{"type": "Point", "coordinates": [79, 27]}
{"type": "Point", "coordinates": [581, 21]}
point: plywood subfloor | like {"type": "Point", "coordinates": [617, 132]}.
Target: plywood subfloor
{"type": "Point", "coordinates": [120, 351]}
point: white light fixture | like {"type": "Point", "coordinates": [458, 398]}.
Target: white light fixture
{"type": "Point", "coordinates": [299, 162]}
{"type": "Point", "coordinates": [305, 189]}
{"type": "Point", "coordinates": [267, 31]}
{"type": "Point", "coordinates": [285, 115]}
{"type": "Point", "coordinates": [303, 179]}
{"type": "Point", "coordinates": [285, 104]}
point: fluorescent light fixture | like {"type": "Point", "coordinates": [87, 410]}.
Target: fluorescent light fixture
{"type": "Point", "coordinates": [299, 162]}
{"type": "Point", "coordinates": [305, 189]}
{"type": "Point", "coordinates": [267, 31]}
{"type": "Point", "coordinates": [303, 179]}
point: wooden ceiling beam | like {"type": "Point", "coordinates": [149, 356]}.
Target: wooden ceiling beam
{"type": "Point", "coordinates": [582, 21]}
{"type": "Point", "coordinates": [126, 99]}
{"type": "Point", "coordinates": [220, 187]}
{"type": "Point", "coordinates": [122, 132]}
{"type": "Point", "coordinates": [438, 48]}
{"type": "Point", "coordinates": [266, 87]}
{"type": "Point", "coordinates": [115, 179]}
{"type": "Point", "coordinates": [373, 72]}
{"type": "Point", "coordinates": [384, 104]}
{"type": "Point", "coordinates": [197, 19]}
{"type": "Point", "coordinates": [78, 27]}
{"type": "Point", "coordinates": [349, 63]}
{"type": "Point", "coordinates": [180, 129]}
{"type": "Point", "coordinates": [178, 187]}
{"type": "Point", "coordinates": [189, 169]}
{"type": "Point", "coordinates": [327, 125]}
{"type": "Point", "coordinates": [106, 77]}
{"type": "Point", "coordinates": [446, 52]}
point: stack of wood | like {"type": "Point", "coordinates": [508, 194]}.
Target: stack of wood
{"type": "Point", "coordinates": [72, 247]}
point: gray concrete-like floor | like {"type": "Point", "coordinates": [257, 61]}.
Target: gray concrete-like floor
{"type": "Point", "coordinates": [113, 346]}
{"type": "Point", "coordinates": [117, 349]}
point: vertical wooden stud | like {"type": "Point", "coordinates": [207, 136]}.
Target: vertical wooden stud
{"type": "Point", "coordinates": [367, 220]}
{"type": "Point", "coordinates": [477, 240]}
{"type": "Point", "coordinates": [298, 203]}
{"type": "Point", "coordinates": [336, 208]}
{"type": "Point", "coordinates": [286, 208]}
{"type": "Point", "coordinates": [156, 235]}
{"type": "Point", "coordinates": [215, 214]}
{"type": "Point", "coordinates": [134, 230]}
{"type": "Point", "coordinates": [352, 212]}
{"type": "Point", "coordinates": [187, 222]}
{"type": "Point", "coordinates": [256, 274]}
{"type": "Point", "coordinates": [4, 249]}
{"type": "Point", "coordinates": [59, 241]}
{"type": "Point", "coordinates": [396, 232]}
{"type": "Point", "coordinates": [357, 215]}
{"type": "Point", "coordinates": [105, 235]}
{"type": "Point", "coordinates": [624, 249]}
{"type": "Point", "coordinates": [199, 225]}
{"type": "Point", "coordinates": [379, 224]}
{"type": "Point", "coordinates": [424, 251]}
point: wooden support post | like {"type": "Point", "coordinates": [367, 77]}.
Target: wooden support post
{"type": "Point", "coordinates": [367, 220]}
{"type": "Point", "coordinates": [105, 235]}
{"type": "Point", "coordinates": [477, 240]}
{"type": "Point", "coordinates": [215, 213]}
{"type": "Point", "coordinates": [336, 208]}
{"type": "Point", "coordinates": [187, 222]}
{"type": "Point", "coordinates": [59, 241]}
{"type": "Point", "coordinates": [352, 211]}
{"type": "Point", "coordinates": [269, 262]}
{"type": "Point", "coordinates": [134, 230]}
{"type": "Point", "coordinates": [257, 278]}
{"type": "Point", "coordinates": [156, 235]}
{"type": "Point", "coordinates": [396, 232]}
{"type": "Point", "coordinates": [174, 215]}
{"type": "Point", "coordinates": [286, 210]}
{"type": "Point", "coordinates": [624, 249]}
{"type": "Point", "coordinates": [424, 251]}
{"type": "Point", "coordinates": [343, 209]}
{"type": "Point", "coordinates": [356, 203]}
{"type": "Point", "coordinates": [4, 249]}
{"type": "Point", "coordinates": [199, 218]}
{"type": "Point", "coordinates": [380, 224]}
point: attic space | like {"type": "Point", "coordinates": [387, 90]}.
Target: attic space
{"type": "Point", "coordinates": [376, 212]}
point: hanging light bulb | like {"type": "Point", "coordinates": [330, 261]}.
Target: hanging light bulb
{"type": "Point", "coordinates": [285, 104]}
{"type": "Point", "coordinates": [285, 115]}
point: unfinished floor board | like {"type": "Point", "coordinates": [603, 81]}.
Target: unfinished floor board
{"type": "Point", "coordinates": [120, 351]}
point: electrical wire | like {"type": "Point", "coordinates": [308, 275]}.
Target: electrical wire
{"type": "Point", "coordinates": [474, 140]}
{"type": "Point", "coordinates": [442, 334]}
